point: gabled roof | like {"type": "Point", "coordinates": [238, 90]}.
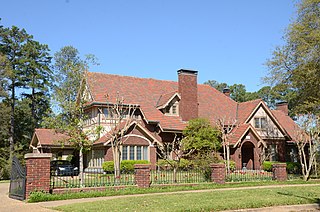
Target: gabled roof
{"type": "Point", "coordinates": [147, 92]}
{"type": "Point", "coordinates": [246, 109]}
{"type": "Point", "coordinates": [239, 132]}
{"type": "Point", "coordinates": [165, 99]}
{"type": "Point", "coordinates": [105, 139]}
{"type": "Point", "coordinates": [48, 137]}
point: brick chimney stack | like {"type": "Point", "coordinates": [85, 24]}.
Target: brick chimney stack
{"type": "Point", "coordinates": [188, 89]}
{"type": "Point", "coordinates": [283, 106]}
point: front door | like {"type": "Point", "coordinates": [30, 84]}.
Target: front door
{"type": "Point", "coordinates": [247, 154]}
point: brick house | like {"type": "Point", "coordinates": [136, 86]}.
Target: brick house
{"type": "Point", "coordinates": [164, 109]}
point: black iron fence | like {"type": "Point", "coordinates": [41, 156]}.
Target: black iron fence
{"type": "Point", "coordinates": [94, 178]}
{"type": "Point", "coordinates": [248, 175]}
{"type": "Point", "coordinates": [171, 176]}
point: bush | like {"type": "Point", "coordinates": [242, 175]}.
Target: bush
{"type": "Point", "coordinates": [169, 164]}
{"type": "Point", "coordinates": [293, 168]}
{"type": "Point", "coordinates": [108, 166]}
{"type": "Point", "coordinates": [125, 165]}
{"type": "Point", "coordinates": [128, 165]}
{"type": "Point", "coordinates": [267, 165]}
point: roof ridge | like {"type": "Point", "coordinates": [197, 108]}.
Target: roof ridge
{"type": "Point", "coordinates": [134, 77]}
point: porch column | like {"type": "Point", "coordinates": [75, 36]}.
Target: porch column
{"type": "Point", "coordinates": [37, 172]}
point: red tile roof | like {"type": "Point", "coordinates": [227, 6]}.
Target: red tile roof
{"type": "Point", "coordinates": [50, 137]}
{"type": "Point", "coordinates": [150, 93]}
{"type": "Point", "coordinates": [147, 92]}
{"type": "Point", "coordinates": [165, 98]}
{"type": "Point", "coordinates": [238, 133]}
{"type": "Point", "coordinates": [245, 109]}
{"type": "Point", "coordinates": [287, 123]}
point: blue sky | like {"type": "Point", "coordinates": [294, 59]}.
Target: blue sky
{"type": "Point", "coordinates": [228, 41]}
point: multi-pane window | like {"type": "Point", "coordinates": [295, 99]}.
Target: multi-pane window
{"type": "Point", "coordinates": [135, 153]}
{"type": "Point", "coordinates": [260, 123]}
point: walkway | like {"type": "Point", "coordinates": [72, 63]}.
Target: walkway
{"type": "Point", "coordinates": [7, 204]}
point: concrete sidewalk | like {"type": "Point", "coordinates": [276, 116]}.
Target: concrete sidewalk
{"type": "Point", "coordinates": [7, 204]}
{"type": "Point", "coordinates": [11, 205]}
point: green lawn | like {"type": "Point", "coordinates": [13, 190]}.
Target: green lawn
{"type": "Point", "coordinates": [205, 201]}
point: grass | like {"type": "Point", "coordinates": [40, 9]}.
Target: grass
{"type": "Point", "coordinates": [4, 181]}
{"type": "Point", "coordinates": [41, 197]}
{"type": "Point", "coordinates": [205, 201]}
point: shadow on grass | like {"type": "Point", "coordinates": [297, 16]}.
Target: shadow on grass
{"type": "Point", "coordinates": [310, 199]}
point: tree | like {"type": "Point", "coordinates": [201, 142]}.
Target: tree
{"type": "Point", "coordinates": [38, 78]}
{"type": "Point", "coordinates": [308, 142]}
{"type": "Point", "coordinates": [200, 138]}
{"type": "Point", "coordinates": [226, 127]}
{"type": "Point", "coordinates": [120, 121]}
{"type": "Point", "coordinates": [294, 68]}
{"type": "Point", "coordinates": [12, 66]}
{"type": "Point", "coordinates": [69, 74]}
{"type": "Point", "coordinates": [216, 85]}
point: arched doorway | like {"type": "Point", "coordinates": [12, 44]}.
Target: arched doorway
{"type": "Point", "coordinates": [247, 155]}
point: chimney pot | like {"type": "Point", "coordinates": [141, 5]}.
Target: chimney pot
{"type": "Point", "coordinates": [226, 91]}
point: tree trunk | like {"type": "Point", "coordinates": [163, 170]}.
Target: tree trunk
{"type": "Point", "coordinates": [228, 158]}
{"type": "Point", "coordinates": [116, 161]}
{"type": "Point", "coordinates": [11, 131]}
{"type": "Point", "coordinates": [81, 174]}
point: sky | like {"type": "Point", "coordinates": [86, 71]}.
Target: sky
{"type": "Point", "coordinates": [227, 41]}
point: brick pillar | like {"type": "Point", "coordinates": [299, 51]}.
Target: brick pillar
{"type": "Point", "coordinates": [218, 174]}
{"type": "Point", "coordinates": [153, 157]}
{"type": "Point", "coordinates": [142, 175]}
{"type": "Point", "coordinates": [37, 172]}
{"type": "Point", "coordinates": [279, 171]}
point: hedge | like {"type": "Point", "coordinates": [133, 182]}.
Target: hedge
{"type": "Point", "coordinates": [125, 165]}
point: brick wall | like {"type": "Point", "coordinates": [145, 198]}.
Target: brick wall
{"type": "Point", "coordinates": [279, 171]}
{"type": "Point", "coordinates": [218, 174]}
{"type": "Point", "coordinates": [142, 175]}
{"type": "Point", "coordinates": [37, 172]}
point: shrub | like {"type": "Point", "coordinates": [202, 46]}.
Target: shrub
{"type": "Point", "coordinates": [128, 165]}
{"type": "Point", "coordinates": [125, 165]}
{"type": "Point", "coordinates": [293, 168]}
{"type": "Point", "coordinates": [169, 164]}
{"type": "Point", "coordinates": [108, 166]}
{"type": "Point", "coordinates": [267, 165]}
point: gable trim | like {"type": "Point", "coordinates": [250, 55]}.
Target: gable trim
{"type": "Point", "coordinates": [273, 118]}
{"type": "Point", "coordinates": [168, 102]}
{"type": "Point", "coordinates": [245, 132]}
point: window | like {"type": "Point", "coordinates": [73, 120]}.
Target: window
{"type": "Point", "coordinates": [106, 112]}
{"type": "Point", "coordinates": [174, 109]}
{"type": "Point", "coordinates": [260, 123]}
{"type": "Point", "coordinates": [124, 153]}
{"type": "Point", "coordinates": [134, 152]}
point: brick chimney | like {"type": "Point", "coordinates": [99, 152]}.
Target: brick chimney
{"type": "Point", "coordinates": [226, 91]}
{"type": "Point", "coordinates": [188, 89]}
{"type": "Point", "coordinates": [283, 106]}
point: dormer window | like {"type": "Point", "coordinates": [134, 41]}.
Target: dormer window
{"type": "Point", "coordinates": [174, 109]}
{"type": "Point", "coordinates": [260, 123]}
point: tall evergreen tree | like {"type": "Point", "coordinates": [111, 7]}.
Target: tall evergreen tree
{"type": "Point", "coordinates": [38, 78]}
{"type": "Point", "coordinates": [12, 41]}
